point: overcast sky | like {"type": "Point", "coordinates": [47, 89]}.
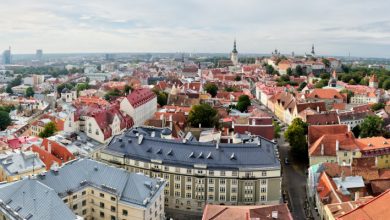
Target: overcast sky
{"type": "Point", "coordinates": [336, 27]}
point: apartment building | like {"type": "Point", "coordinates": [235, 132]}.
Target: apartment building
{"type": "Point", "coordinates": [90, 190]}
{"type": "Point", "coordinates": [200, 173]}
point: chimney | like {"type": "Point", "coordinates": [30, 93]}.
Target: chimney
{"type": "Point", "coordinates": [318, 109]}
{"type": "Point", "coordinates": [357, 195]}
{"type": "Point", "coordinates": [337, 145]}
{"type": "Point", "coordinates": [349, 128]}
{"type": "Point", "coordinates": [322, 149]}
{"type": "Point", "coordinates": [342, 176]}
{"type": "Point", "coordinates": [49, 147]}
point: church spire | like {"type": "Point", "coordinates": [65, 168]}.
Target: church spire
{"type": "Point", "coordinates": [234, 47]}
{"type": "Point", "coordinates": [312, 50]}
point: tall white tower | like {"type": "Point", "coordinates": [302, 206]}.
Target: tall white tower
{"type": "Point", "coordinates": [234, 54]}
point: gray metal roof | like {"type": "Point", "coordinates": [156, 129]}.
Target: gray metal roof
{"type": "Point", "coordinates": [20, 162]}
{"type": "Point", "coordinates": [138, 144]}
{"type": "Point", "coordinates": [129, 187]}
{"type": "Point", "coordinates": [32, 200]}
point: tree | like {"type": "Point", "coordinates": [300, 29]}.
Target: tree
{"type": "Point", "coordinates": [356, 131]}
{"type": "Point", "coordinates": [289, 71]}
{"type": "Point", "coordinates": [299, 70]}
{"type": "Point", "coordinates": [321, 83]}
{"type": "Point", "coordinates": [5, 120]}
{"type": "Point", "coordinates": [204, 115]}
{"type": "Point", "coordinates": [377, 106]}
{"type": "Point", "coordinates": [243, 103]}
{"type": "Point", "coordinates": [386, 84]}
{"type": "Point", "coordinates": [162, 98]}
{"type": "Point", "coordinates": [82, 86]}
{"type": "Point", "coordinates": [371, 126]}
{"type": "Point", "coordinates": [349, 93]}
{"type": "Point", "coordinates": [269, 69]}
{"type": "Point", "coordinates": [296, 136]}
{"type": "Point", "coordinates": [302, 86]}
{"type": "Point", "coordinates": [212, 89]}
{"type": "Point", "coordinates": [238, 78]}
{"type": "Point", "coordinates": [49, 129]}
{"type": "Point", "coordinates": [9, 90]}
{"type": "Point", "coordinates": [29, 92]}
{"type": "Point", "coordinates": [127, 89]}
{"type": "Point", "coordinates": [277, 129]}
{"type": "Point", "coordinates": [326, 62]}
{"type": "Point", "coordinates": [112, 94]}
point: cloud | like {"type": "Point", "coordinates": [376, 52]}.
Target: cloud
{"type": "Point", "coordinates": [260, 26]}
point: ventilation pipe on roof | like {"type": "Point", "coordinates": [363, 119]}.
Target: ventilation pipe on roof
{"type": "Point", "coordinates": [318, 109]}
{"type": "Point", "coordinates": [322, 149]}
{"type": "Point", "coordinates": [337, 145]}
{"type": "Point", "coordinates": [140, 139]}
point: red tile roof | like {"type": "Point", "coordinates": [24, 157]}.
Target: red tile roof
{"type": "Point", "coordinates": [325, 94]}
{"type": "Point", "coordinates": [221, 212]}
{"type": "Point", "coordinates": [47, 158]}
{"type": "Point", "coordinates": [139, 97]}
{"type": "Point", "coordinates": [58, 150]}
{"type": "Point", "coordinates": [377, 208]}
{"type": "Point", "coordinates": [328, 142]}
{"type": "Point", "coordinates": [316, 131]}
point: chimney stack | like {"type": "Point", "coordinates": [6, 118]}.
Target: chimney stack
{"type": "Point", "coordinates": [337, 145]}
{"type": "Point", "coordinates": [322, 149]}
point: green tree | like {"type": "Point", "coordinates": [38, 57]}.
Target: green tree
{"type": "Point", "coordinates": [386, 84]}
{"type": "Point", "coordinates": [238, 78]}
{"type": "Point", "coordinates": [356, 131]}
{"type": "Point", "coordinates": [289, 71]}
{"type": "Point", "coordinates": [9, 90]}
{"type": "Point", "coordinates": [127, 89]}
{"type": "Point", "coordinates": [277, 129]}
{"type": "Point", "coordinates": [49, 130]}
{"type": "Point", "coordinates": [112, 94]}
{"type": "Point", "coordinates": [162, 98]}
{"type": "Point", "coordinates": [269, 69]}
{"type": "Point", "coordinates": [5, 120]}
{"type": "Point", "coordinates": [29, 92]}
{"type": "Point", "coordinates": [326, 62]}
{"type": "Point", "coordinates": [302, 86]}
{"type": "Point", "coordinates": [204, 115]}
{"type": "Point", "coordinates": [82, 86]}
{"type": "Point", "coordinates": [296, 136]}
{"type": "Point", "coordinates": [371, 126]}
{"type": "Point", "coordinates": [211, 88]}
{"type": "Point", "coordinates": [321, 83]}
{"type": "Point", "coordinates": [349, 93]}
{"type": "Point", "coordinates": [377, 106]}
{"type": "Point", "coordinates": [299, 70]}
{"type": "Point", "coordinates": [243, 103]}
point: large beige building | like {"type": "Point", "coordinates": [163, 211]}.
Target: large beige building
{"type": "Point", "coordinates": [93, 190]}
{"type": "Point", "coordinates": [200, 173]}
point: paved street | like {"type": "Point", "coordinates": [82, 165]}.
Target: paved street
{"type": "Point", "coordinates": [294, 178]}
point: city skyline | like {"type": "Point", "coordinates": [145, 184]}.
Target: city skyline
{"type": "Point", "coordinates": [335, 28]}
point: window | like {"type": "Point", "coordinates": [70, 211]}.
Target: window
{"type": "Point", "coordinates": [189, 179]}
{"type": "Point", "coordinates": [92, 191]}
{"type": "Point", "coordinates": [234, 190]}
{"type": "Point", "coordinates": [211, 181]}
{"type": "Point", "coordinates": [211, 197]}
{"type": "Point", "coordinates": [113, 217]}
{"type": "Point", "coordinates": [200, 171]}
{"type": "Point", "coordinates": [188, 187]}
{"type": "Point", "coordinates": [102, 195]}
{"type": "Point", "coordinates": [223, 173]}
{"type": "Point", "coordinates": [84, 212]}
{"type": "Point", "coordinates": [177, 177]}
{"type": "Point", "coordinates": [234, 198]}
{"type": "Point", "coordinates": [263, 182]}
{"type": "Point", "coordinates": [102, 214]}
{"type": "Point", "coordinates": [92, 210]}
{"type": "Point", "coordinates": [234, 182]}
{"type": "Point", "coordinates": [188, 195]}
{"type": "Point", "coordinates": [211, 189]}
{"type": "Point", "coordinates": [263, 189]}
{"type": "Point", "coordinates": [65, 200]}
{"type": "Point", "coordinates": [84, 203]}
{"type": "Point", "coordinates": [222, 181]}
{"type": "Point", "coordinates": [74, 207]}
{"type": "Point", "coordinates": [113, 209]}
{"type": "Point", "coordinates": [113, 198]}
{"type": "Point", "coordinates": [83, 193]}
{"type": "Point", "coordinates": [124, 212]}
{"type": "Point", "coordinates": [177, 186]}
{"type": "Point", "coordinates": [177, 194]}
{"type": "Point", "coordinates": [264, 173]}
{"type": "Point", "coordinates": [177, 170]}
{"type": "Point", "coordinates": [75, 197]}
{"type": "Point", "coordinates": [166, 168]}
{"type": "Point", "coordinates": [211, 172]}
{"type": "Point", "coordinates": [222, 197]}
{"type": "Point", "coordinates": [345, 154]}
{"type": "Point", "coordinates": [189, 171]}
{"type": "Point", "coordinates": [199, 204]}
{"type": "Point", "coordinates": [234, 173]}
{"type": "Point", "coordinates": [102, 205]}
{"type": "Point", "coordinates": [222, 189]}
{"type": "Point", "coordinates": [188, 203]}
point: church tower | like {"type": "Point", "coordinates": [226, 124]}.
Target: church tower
{"type": "Point", "coordinates": [313, 53]}
{"type": "Point", "coordinates": [234, 54]}
{"type": "Point", "coordinates": [373, 81]}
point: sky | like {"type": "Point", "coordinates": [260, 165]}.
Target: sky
{"type": "Point", "coordinates": [335, 27]}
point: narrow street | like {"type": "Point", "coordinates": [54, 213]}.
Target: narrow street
{"type": "Point", "coordinates": [293, 174]}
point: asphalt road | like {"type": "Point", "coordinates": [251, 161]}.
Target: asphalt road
{"type": "Point", "coordinates": [293, 174]}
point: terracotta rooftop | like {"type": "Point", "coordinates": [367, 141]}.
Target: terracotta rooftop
{"type": "Point", "coordinates": [377, 208]}
{"type": "Point", "coordinates": [140, 96]}
{"type": "Point", "coordinates": [325, 94]}
{"type": "Point", "coordinates": [316, 131]}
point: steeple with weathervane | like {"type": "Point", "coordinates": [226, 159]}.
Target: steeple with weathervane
{"type": "Point", "coordinates": [234, 54]}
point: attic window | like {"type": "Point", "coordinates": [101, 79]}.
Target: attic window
{"type": "Point", "coordinates": [149, 150]}
{"type": "Point", "coordinates": [385, 142]}
{"type": "Point", "coordinates": [192, 155]}
{"type": "Point", "coordinates": [170, 152]}
{"type": "Point", "coordinates": [159, 151]}
{"type": "Point", "coordinates": [209, 156]}
{"type": "Point", "coordinates": [201, 155]}
{"type": "Point", "coordinates": [370, 145]}
{"type": "Point", "coordinates": [233, 156]}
